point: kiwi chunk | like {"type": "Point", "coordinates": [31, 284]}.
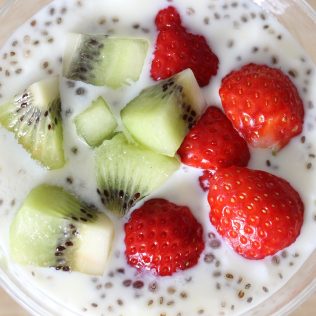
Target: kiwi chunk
{"type": "Point", "coordinates": [35, 118]}
{"type": "Point", "coordinates": [54, 229]}
{"type": "Point", "coordinates": [103, 60]}
{"type": "Point", "coordinates": [127, 172]}
{"type": "Point", "coordinates": [161, 115]}
{"type": "Point", "coordinates": [96, 123]}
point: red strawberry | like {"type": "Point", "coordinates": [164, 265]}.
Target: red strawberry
{"type": "Point", "coordinates": [213, 143]}
{"type": "Point", "coordinates": [168, 18]}
{"type": "Point", "coordinates": [177, 50]}
{"type": "Point", "coordinates": [205, 179]}
{"type": "Point", "coordinates": [163, 237]}
{"type": "Point", "coordinates": [263, 104]}
{"type": "Point", "coordinates": [257, 213]}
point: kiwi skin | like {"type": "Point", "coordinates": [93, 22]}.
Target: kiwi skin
{"type": "Point", "coordinates": [34, 116]}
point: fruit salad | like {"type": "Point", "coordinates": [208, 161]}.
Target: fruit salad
{"type": "Point", "coordinates": [157, 158]}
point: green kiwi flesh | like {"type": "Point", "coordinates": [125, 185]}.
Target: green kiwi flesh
{"type": "Point", "coordinates": [128, 172]}
{"type": "Point", "coordinates": [54, 229]}
{"type": "Point", "coordinates": [102, 60]}
{"type": "Point", "coordinates": [96, 123]}
{"type": "Point", "coordinates": [34, 116]}
{"type": "Point", "coordinates": [161, 115]}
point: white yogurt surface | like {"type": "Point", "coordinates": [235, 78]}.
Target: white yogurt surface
{"type": "Point", "coordinates": [223, 283]}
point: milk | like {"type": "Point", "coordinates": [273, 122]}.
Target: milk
{"type": "Point", "coordinates": [223, 283]}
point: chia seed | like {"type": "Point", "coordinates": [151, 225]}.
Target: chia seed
{"type": "Point", "coordinates": [153, 287]}
{"type": "Point", "coordinates": [171, 290]}
{"type": "Point", "coordinates": [127, 283]}
{"type": "Point", "coordinates": [145, 30]}
{"type": "Point", "coordinates": [249, 299]}
{"type": "Point", "coordinates": [209, 258]}
{"type": "Point", "coordinates": [80, 91]}
{"type": "Point", "coordinates": [215, 244]}
{"type": "Point", "coordinates": [69, 180]}
{"type": "Point", "coordinates": [230, 43]}
{"type": "Point", "coordinates": [275, 260]}
{"type": "Point", "coordinates": [241, 294]}
{"type": "Point", "coordinates": [121, 271]}
{"type": "Point", "coordinates": [102, 21]}
{"type": "Point", "coordinates": [292, 73]}
{"type": "Point", "coordinates": [190, 11]}
{"type": "Point", "coordinates": [138, 284]}
{"type": "Point", "coordinates": [217, 274]}
{"type": "Point", "coordinates": [255, 49]}
{"type": "Point", "coordinates": [70, 84]}
{"type": "Point", "coordinates": [120, 302]}
{"type": "Point", "coordinates": [99, 286]}
{"type": "Point", "coordinates": [45, 64]}
{"type": "Point", "coordinates": [274, 60]}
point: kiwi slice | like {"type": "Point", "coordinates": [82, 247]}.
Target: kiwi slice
{"type": "Point", "coordinates": [96, 123]}
{"type": "Point", "coordinates": [54, 229]}
{"type": "Point", "coordinates": [35, 118]}
{"type": "Point", "coordinates": [127, 172]}
{"type": "Point", "coordinates": [161, 115]}
{"type": "Point", "coordinates": [103, 60]}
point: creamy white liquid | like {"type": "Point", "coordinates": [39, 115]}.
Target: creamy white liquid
{"type": "Point", "coordinates": [226, 285]}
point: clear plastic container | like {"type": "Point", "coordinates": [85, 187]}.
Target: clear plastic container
{"type": "Point", "coordinates": [300, 19]}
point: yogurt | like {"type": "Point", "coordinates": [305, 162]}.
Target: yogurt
{"type": "Point", "coordinates": [223, 283]}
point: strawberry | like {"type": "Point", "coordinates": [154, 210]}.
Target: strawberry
{"type": "Point", "coordinates": [168, 18]}
{"type": "Point", "coordinates": [213, 143]}
{"type": "Point", "coordinates": [163, 237]}
{"type": "Point", "coordinates": [263, 104]}
{"type": "Point", "coordinates": [176, 50]}
{"type": "Point", "coordinates": [204, 180]}
{"type": "Point", "coordinates": [257, 213]}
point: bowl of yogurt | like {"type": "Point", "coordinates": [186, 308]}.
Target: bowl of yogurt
{"type": "Point", "coordinates": [275, 33]}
